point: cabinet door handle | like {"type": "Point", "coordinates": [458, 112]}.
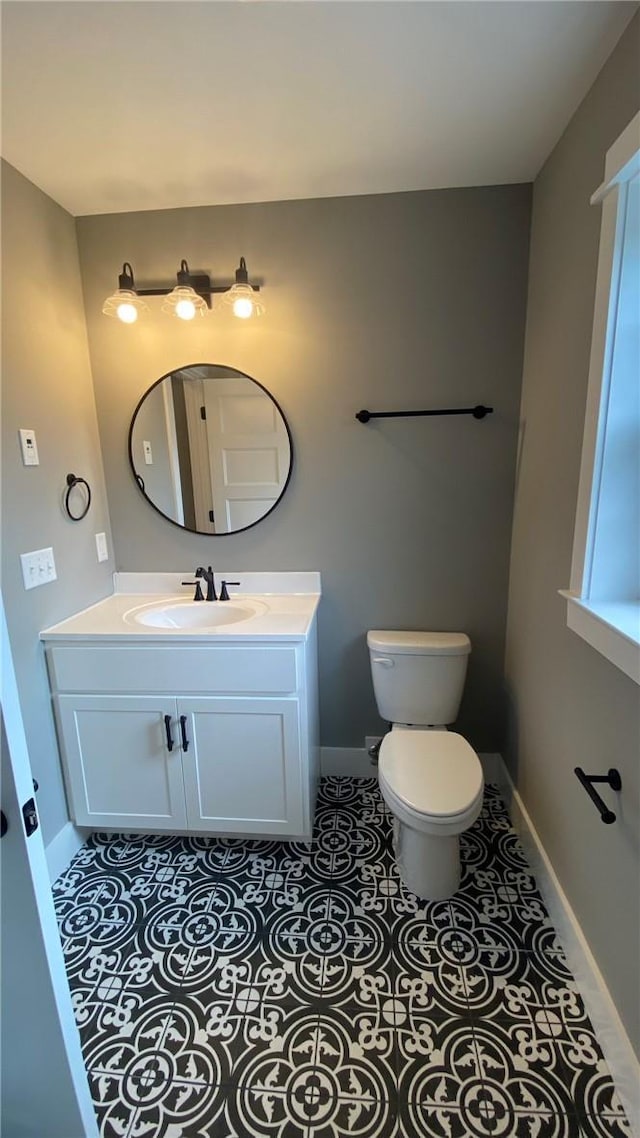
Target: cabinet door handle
{"type": "Point", "coordinates": [167, 727]}
{"type": "Point", "coordinates": [183, 729]}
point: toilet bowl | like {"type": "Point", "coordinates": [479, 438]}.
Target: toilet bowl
{"type": "Point", "coordinates": [430, 778]}
{"type": "Point", "coordinates": [433, 784]}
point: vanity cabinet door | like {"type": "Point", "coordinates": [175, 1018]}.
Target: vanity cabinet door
{"type": "Point", "coordinates": [242, 767]}
{"type": "Point", "coordinates": [120, 771]}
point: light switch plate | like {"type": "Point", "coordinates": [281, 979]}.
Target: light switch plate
{"type": "Point", "coordinates": [148, 454]}
{"type": "Point", "coordinates": [38, 568]}
{"type": "Point", "coordinates": [29, 447]}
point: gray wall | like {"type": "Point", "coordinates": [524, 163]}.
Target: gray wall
{"type": "Point", "coordinates": [404, 300]}
{"type": "Point", "coordinates": [46, 386]}
{"type": "Point", "coordinates": [570, 706]}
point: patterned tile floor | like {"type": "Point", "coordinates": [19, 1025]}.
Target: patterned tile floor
{"type": "Point", "coordinates": [227, 989]}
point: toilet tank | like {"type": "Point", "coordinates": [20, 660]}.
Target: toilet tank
{"type": "Point", "coordinates": [418, 677]}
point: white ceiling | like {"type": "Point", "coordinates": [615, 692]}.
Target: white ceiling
{"type": "Point", "coordinates": [119, 105]}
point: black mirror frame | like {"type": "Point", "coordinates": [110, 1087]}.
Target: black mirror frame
{"type": "Point", "coordinates": [138, 478]}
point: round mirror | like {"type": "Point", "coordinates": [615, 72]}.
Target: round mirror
{"type": "Point", "coordinates": [210, 449]}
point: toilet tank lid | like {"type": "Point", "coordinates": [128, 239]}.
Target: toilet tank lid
{"type": "Point", "coordinates": [419, 643]}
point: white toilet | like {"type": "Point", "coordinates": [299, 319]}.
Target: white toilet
{"type": "Point", "coordinates": [430, 778]}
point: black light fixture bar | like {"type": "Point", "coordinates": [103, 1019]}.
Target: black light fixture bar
{"type": "Point", "coordinates": [199, 282]}
{"type": "Point", "coordinates": [478, 412]}
{"type": "Point", "coordinates": [197, 285]}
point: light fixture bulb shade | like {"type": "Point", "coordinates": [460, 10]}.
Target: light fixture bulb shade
{"type": "Point", "coordinates": [128, 313]}
{"type": "Point", "coordinates": [125, 304]}
{"type": "Point", "coordinates": [243, 300]}
{"type": "Point", "coordinates": [184, 302]}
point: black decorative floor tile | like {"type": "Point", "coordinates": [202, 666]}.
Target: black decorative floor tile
{"type": "Point", "coordinates": [335, 791]}
{"type": "Point", "coordinates": [313, 1080]}
{"type": "Point", "coordinates": [334, 958]}
{"type": "Point", "coordinates": [145, 1100]}
{"type": "Point", "coordinates": [501, 899]}
{"type": "Point", "coordinates": [267, 884]}
{"type": "Point", "coordinates": [600, 1108]}
{"type": "Point", "coordinates": [427, 961]}
{"type": "Point", "coordinates": [509, 986]}
{"type": "Point", "coordinates": [482, 1117]}
{"type": "Point", "coordinates": [189, 939]}
{"type": "Point", "coordinates": [439, 1071]}
{"type": "Point", "coordinates": [100, 913]}
{"type": "Point", "coordinates": [111, 989]}
{"type": "Point", "coordinates": [230, 989]}
{"type": "Point", "coordinates": [125, 851]}
{"type": "Point", "coordinates": [381, 894]}
{"type": "Point", "coordinates": [539, 1060]}
{"type": "Point", "coordinates": [605, 1126]}
{"type": "Point", "coordinates": [307, 1109]}
{"type": "Point", "coordinates": [343, 842]}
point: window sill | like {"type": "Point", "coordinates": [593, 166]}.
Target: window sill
{"type": "Point", "coordinates": [612, 628]}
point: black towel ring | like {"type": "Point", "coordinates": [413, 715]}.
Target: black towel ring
{"type": "Point", "coordinates": [72, 482]}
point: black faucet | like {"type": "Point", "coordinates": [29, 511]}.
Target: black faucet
{"type": "Point", "coordinates": [224, 595]}
{"type": "Point", "coordinates": [198, 593]}
{"type": "Point", "coordinates": [208, 576]}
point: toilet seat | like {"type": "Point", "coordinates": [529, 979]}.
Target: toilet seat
{"type": "Point", "coordinates": [431, 779]}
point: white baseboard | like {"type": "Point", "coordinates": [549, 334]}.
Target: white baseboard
{"type": "Point", "coordinates": [62, 849]}
{"type": "Point", "coordinates": [612, 1037]}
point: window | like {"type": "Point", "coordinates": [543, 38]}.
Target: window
{"type": "Point", "coordinates": [603, 601]}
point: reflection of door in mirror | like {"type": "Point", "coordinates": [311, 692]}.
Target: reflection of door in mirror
{"type": "Point", "coordinates": [210, 449]}
{"type": "Point", "coordinates": [248, 451]}
{"type": "Point", "coordinates": [239, 450]}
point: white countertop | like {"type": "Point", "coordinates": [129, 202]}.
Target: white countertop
{"type": "Point", "coordinates": [288, 615]}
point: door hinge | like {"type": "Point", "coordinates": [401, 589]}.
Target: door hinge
{"type": "Point", "coordinates": [203, 412]}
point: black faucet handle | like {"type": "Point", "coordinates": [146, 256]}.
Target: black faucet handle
{"type": "Point", "coordinates": [198, 593]}
{"type": "Point", "coordinates": [224, 595]}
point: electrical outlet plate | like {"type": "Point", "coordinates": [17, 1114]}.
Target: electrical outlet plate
{"type": "Point", "coordinates": [101, 547]}
{"type": "Point", "coordinates": [38, 568]}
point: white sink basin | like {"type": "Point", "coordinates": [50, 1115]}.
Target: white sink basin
{"type": "Point", "coordinates": [195, 615]}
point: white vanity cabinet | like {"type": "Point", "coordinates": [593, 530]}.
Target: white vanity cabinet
{"type": "Point", "coordinates": [119, 771]}
{"type": "Point", "coordinates": [219, 739]}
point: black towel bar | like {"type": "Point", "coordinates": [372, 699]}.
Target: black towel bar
{"type": "Point", "coordinates": [478, 412]}
{"type": "Point", "coordinates": [612, 777]}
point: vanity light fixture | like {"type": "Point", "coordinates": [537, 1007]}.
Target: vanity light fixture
{"type": "Point", "coordinates": [241, 296]}
{"type": "Point", "coordinates": [191, 295]}
{"type": "Point", "coordinates": [183, 301]}
{"type": "Point", "coordinates": [125, 302]}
